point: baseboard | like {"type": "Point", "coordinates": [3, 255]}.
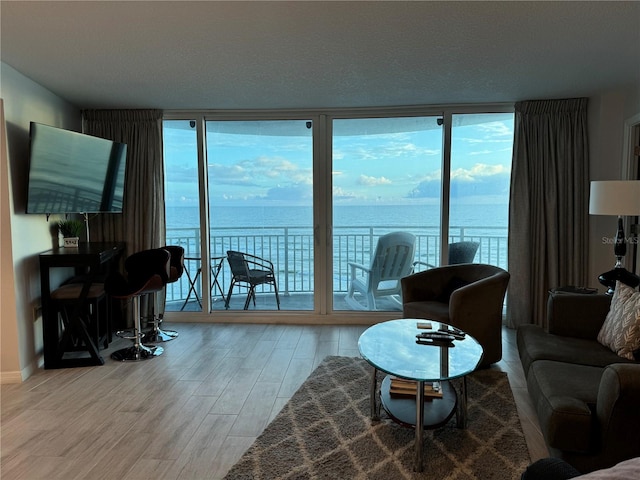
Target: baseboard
{"type": "Point", "coordinates": [10, 377]}
{"type": "Point", "coordinates": [22, 375]}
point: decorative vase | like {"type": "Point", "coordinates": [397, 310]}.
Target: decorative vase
{"type": "Point", "coordinates": [71, 241]}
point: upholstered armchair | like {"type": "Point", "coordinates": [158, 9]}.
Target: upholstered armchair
{"type": "Point", "coordinates": [468, 296]}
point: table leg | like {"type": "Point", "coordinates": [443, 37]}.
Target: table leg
{"type": "Point", "coordinates": [215, 283]}
{"type": "Point", "coordinates": [372, 395]}
{"type": "Point", "coordinates": [419, 426]}
{"type": "Point", "coordinates": [77, 326]}
{"type": "Point", "coordinates": [192, 288]}
{"type": "Point", "coordinates": [461, 408]}
{"type": "Point", "coordinates": [50, 329]}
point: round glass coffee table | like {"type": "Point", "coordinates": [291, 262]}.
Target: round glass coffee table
{"type": "Point", "coordinates": [392, 347]}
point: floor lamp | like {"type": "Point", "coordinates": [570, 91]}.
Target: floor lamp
{"type": "Point", "coordinates": [616, 197]}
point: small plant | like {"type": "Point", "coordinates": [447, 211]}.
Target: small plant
{"type": "Point", "coordinates": [70, 228]}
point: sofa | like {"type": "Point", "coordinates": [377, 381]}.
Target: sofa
{"type": "Point", "coordinates": [468, 296]}
{"type": "Point", "coordinates": [586, 396]}
{"type": "Point", "coordinates": [556, 469]}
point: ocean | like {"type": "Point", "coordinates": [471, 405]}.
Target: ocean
{"type": "Point", "coordinates": [405, 216]}
{"type": "Point", "coordinates": [285, 235]}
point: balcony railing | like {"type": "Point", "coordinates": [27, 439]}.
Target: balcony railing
{"type": "Point", "coordinates": [291, 251]}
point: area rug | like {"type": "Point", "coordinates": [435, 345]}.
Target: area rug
{"type": "Point", "coordinates": [324, 432]}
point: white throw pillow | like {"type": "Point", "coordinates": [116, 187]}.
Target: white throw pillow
{"type": "Point", "coordinates": [626, 470]}
{"type": "Point", "coordinates": [621, 329]}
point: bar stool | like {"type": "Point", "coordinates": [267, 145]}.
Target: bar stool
{"type": "Point", "coordinates": [175, 272]}
{"type": "Point", "coordinates": [147, 272]}
{"type": "Point", "coordinates": [94, 313]}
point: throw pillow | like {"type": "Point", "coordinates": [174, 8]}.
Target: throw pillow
{"type": "Point", "coordinates": [621, 329]}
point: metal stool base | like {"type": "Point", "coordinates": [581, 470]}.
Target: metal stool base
{"type": "Point", "coordinates": [159, 335]}
{"type": "Point", "coordinates": [137, 353]}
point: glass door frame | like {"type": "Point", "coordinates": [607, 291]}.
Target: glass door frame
{"type": "Point", "coordinates": [322, 312]}
{"type": "Point", "coordinates": [357, 316]}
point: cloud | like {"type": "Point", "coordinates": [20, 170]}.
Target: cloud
{"type": "Point", "coordinates": [230, 175]}
{"type": "Point", "coordinates": [490, 132]}
{"type": "Point", "coordinates": [373, 181]}
{"type": "Point", "coordinates": [290, 194]}
{"type": "Point", "coordinates": [496, 129]}
{"type": "Point", "coordinates": [260, 171]}
{"type": "Point", "coordinates": [479, 180]}
{"type": "Point", "coordinates": [340, 194]}
{"type": "Point", "coordinates": [396, 149]}
{"type": "Point", "coordinates": [183, 174]}
{"type": "Point", "coordinates": [367, 151]}
{"type": "Point", "coordinates": [478, 171]}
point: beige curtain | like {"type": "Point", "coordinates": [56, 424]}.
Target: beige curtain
{"type": "Point", "coordinates": [142, 224]}
{"type": "Point", "coordinates": [548, 212]}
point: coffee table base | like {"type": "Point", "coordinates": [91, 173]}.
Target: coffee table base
{"type": "Point", "coordinates": [402, 409]}
{"type": "Point", "coordinates": [391, 347]}
{"type": "Point", "coordinates": [411, 412]}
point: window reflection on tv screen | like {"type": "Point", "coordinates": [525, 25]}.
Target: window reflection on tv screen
{"type": "Point", "coordinates": [70, 172]}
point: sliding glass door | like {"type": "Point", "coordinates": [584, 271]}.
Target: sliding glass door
{"type": "Point", "coordinates": [386, 191]}
{"type": "Point", "coordinates": [310, 199]}
{"type": "Point", "coordinates": [182, 210]}
{"type": "Point", "coordinates": [260, 199]}
{"type": "Point", "coordinates": [481, 151]}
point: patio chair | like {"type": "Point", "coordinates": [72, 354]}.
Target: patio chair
{"type": "Point", "coordinates": [459, 252]}
{"type": "Point", "coordinates": [391, 261]}
{"type": "Point", "coordinates": [250, 271]}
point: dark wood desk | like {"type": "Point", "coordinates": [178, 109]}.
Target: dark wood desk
{"type": "Point", "coordinates": [89, 260]}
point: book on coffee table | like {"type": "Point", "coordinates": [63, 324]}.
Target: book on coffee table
{"type": "Point", "coordinates": [400, 386]}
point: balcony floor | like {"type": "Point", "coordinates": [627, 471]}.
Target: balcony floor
{"type": "Point", "coordinates": [293, 302]}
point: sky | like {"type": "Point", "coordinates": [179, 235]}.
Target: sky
{"type": "Point", "coordinates": [386, 161]}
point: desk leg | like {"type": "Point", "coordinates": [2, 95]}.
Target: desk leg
{"type": "Point", "coordinates": [80, 329]}
{"type": "Point", "coordinates": [53, 345]}
{"type": "Point", "coordinates": [50, 329]}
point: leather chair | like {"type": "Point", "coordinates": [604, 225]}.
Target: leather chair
{"type": "Point", "coordinates": [176, 268]}
{"type": "Point", "coordinates": [467, 296]}
{"type": "Point", "coordinates": [147, 272]}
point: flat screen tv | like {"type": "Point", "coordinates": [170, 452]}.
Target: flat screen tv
{"type": "Point", "coordinates": [70, 172]}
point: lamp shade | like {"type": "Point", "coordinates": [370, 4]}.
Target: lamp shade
{"type": "Point", "coordinates": [615, 197]}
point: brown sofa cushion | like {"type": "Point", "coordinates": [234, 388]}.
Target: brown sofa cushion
{"type": "Point", "coordinates": [565, 395]}
{"type": "Point", "coordinates": [535, 344]}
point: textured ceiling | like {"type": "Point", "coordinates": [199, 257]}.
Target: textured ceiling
{"type": "Point", "coordinates": [253, 55]}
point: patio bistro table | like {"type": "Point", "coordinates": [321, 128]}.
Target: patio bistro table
{"type": "Point", "coordinates": [216, 266]}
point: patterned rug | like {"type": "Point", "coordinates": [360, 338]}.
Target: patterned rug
{"type": "Point", "coordinates": [324, 432]}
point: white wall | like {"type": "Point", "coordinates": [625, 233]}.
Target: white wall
{"type": "Point", "coordinates": [24, 101]}
{"type": "Point", "coordinates": [608, 113]}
